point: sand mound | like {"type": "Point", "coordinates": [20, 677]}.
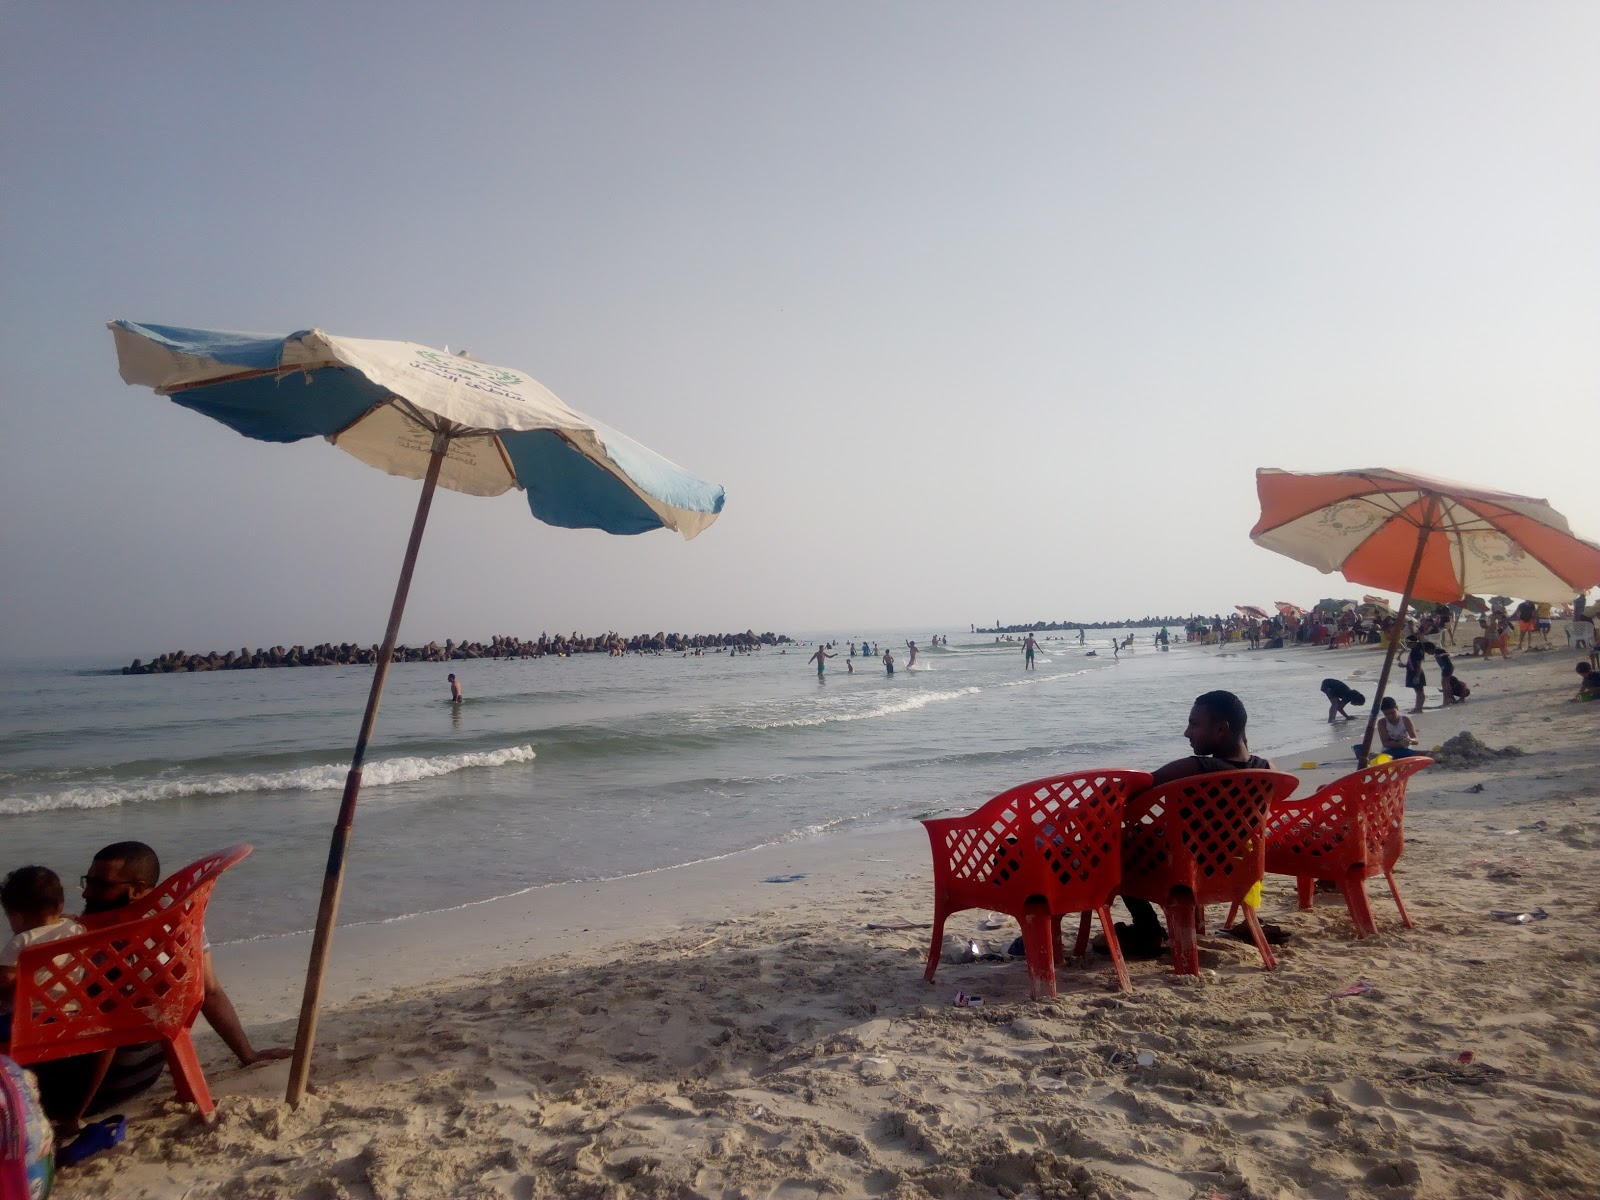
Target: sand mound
{"type": "Point", "coordinates": [1465, 750]}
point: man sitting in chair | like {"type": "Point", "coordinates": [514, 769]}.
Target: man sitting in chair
{"type": "Point", "coordinates": [1216, 734]}
{"type": "Point", "coordinates": [120, 875]}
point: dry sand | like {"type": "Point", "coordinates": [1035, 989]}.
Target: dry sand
{"type": "Point", "coordinates": [699, 1033]}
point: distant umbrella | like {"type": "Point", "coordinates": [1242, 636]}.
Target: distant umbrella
{"type": "Point", "coordinates": [1250, 610]}
{"type": "Point", "coordinates": [1287, 609]}
{"type": "Point", "coordinates": [1431, 538]}
{"type": "Point", "coordinates": [448, 420]}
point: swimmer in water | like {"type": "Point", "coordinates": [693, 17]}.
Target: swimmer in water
{"type": "Point", "coordinates": [455, 691]}
{"type": "Point", "coordinates": [1028, 648]}
{"type": "Point", "coordinates": [821, 658]}
{"type": "Point", "coordinates": [888, 661]}
{"type": "Point", "coordinates": [912, 661]}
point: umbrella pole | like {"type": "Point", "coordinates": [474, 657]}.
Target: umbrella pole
{"type": "Point", "coordinates": [1423, 529]}
{"type": "Point", "coordinates": [333, 880]}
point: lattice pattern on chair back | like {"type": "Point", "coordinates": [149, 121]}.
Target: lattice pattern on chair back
{"type": "Point", "coordinates": [1383, 790]}
{"type": "Point", "coordinates": [132, 981]}
{"type": "Point", "coordinates": [1058, 838]}
{"type": "Point", "coordinates": [1203, 832]}
{"type": "Point", "coordinates": [1319, 832]}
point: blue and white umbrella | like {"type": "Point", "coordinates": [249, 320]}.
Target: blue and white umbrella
{"type": "Point", "coordinates": [446, 419]}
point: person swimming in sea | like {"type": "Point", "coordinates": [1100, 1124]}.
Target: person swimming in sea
{"type": "Point", "coordinates": [888, 661]}
{"type": "Point", "coordinates": [455, 690]}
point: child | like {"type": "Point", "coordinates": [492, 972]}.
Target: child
{"type": "Point", "coordinates": [1396, 730]}
{"type": "Point", "coordinates": [1339, 694]}
{"type": "Point", "coordinates": [33, 900]}
{"type": "Point", "coordinates": [1454, 692]}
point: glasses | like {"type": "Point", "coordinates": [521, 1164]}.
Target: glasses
{"type": "Point", "coordinates": [100, 885]}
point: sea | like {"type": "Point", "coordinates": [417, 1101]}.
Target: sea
{"type": "Point", "coordinates": [590, 767]}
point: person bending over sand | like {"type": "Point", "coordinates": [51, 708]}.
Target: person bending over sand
{"type": "Point", "coordinates": [1339, 694]}
{"type": "Point", "coordinates": [1216, 735]}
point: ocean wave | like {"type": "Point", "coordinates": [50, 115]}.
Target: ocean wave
{"type": "Point", "coordinates": [325, 777]}
{"type": "Point", "coordinates": [908, 704]}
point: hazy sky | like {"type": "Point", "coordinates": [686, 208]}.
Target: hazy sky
{"type": "Point", "coordinates": [976, 310]}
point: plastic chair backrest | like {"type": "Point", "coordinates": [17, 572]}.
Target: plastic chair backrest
{"type": "Point", "coordinates": [1206, 833]}
{"type": "Point", "coordinates": [129, 981]}
{"type": "Point", "coordinates": [1057, 838]}
{"type": "Point", "coordinates": [1383, 793]}
{"type": "Point", "coordinates": [171, 890]}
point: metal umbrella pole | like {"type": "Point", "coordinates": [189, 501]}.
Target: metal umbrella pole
{"type": "Point", "coordinates": [333, 880]}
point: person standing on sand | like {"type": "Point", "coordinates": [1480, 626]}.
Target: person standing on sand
{"type": "Point", "coordinates": [455, 690]}
{"type": "Point", "coordinates": [821, 658]}
{"type": "Point", "coordinates": [1028, 649]}
{"type": "Point", "coordinates": [1416, 678]}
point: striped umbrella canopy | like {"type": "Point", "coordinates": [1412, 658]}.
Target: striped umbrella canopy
{"type": "Point", "coordinates": [447, 419]}
{"type": "Point", "coordinates": [1250, 610]}
{"type": "Point", "coordinates": [1287, 609]}
{"type": "Point", "coordinates": [1429, 538]}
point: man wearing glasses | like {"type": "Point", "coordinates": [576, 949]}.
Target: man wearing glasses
{"type": "Point", "coordinates": [122, 874]}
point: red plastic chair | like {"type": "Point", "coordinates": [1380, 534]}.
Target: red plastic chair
{"type": "Point", "coordinates": [1037, 852]}
{"type": "Point", "coordinates": [1346, 832]}
{"type": "Point", "coordinates": [128, 981]}
{"type": "Point", "coordinates": [1197, 841]}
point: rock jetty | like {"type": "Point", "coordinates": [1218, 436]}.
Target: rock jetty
{"type": "Point", "coordinates": [500, 646]}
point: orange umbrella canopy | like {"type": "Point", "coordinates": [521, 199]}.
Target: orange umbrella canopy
{"type": "Point", "coordinates": [1377, 526]}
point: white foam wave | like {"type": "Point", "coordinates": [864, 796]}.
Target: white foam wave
{"type": "Point", "coordinates": [327, 777]}
{"type": "Point", "coordinates": [909, 704]}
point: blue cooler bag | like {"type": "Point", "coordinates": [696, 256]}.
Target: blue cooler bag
{"type": "Point", "coordinates": [27, 1144]}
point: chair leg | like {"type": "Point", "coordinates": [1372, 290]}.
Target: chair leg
{"type": "Point", "coordinates": [1354, 887]}
{"type": "Point", "coordinates": [1200, 920]}
{"type": "Point", "coordinates": [1181, 932]}
{"type": "Point", "coordinates": [1268, 962]}
{"type": "Point", "coordinates": [1121, 967]}
{"type": "Point", "coordinates": [939, 918]}
{"type": "Point", "coordinates": [1305, 887]}
{"type": "Point", "coordinates": [1057, 947]}
{"type": "Point", "coordinates": [1081, 946]}
{"type": "Point", "coordinates": [1233, 913]}
{"type": "Point", "coordinates": [1394, 890]}
{"type": "Point", "coordinates": [1036, 944]}
{"type": "Point", "coordinates": [187, 1077]}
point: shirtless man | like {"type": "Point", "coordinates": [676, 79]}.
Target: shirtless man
{"type": "Point", "coordinates": [821, 658]}
{"type": "Point", "coordinates": [1216, 735]}
{"type": "Point", "coordinates": [1029, 648]}
{"type": "Point", "coordinates": [455, 690]}
{"type": "Point", "coordinates": [912, 661]}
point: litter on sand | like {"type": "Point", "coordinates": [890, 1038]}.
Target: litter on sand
{"type": "Point", "coordinates": [963, 1000]}
{"type": "Point", "coordinates": [783, 878]}
{"type": "Point", "coordinates": [1050, 1084]}
{"type": "Point", "coordinates": [1359, 988]}
{"type": "Point", "coordinates": [1517, 918]}
{"type": "Point", "coordinates": [994, 920]}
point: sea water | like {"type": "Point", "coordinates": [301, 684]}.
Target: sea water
{"type": "Point", "coordinates": [589, 767]}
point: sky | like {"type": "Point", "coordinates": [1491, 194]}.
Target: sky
{"type": "Point", "coordinates": [977, 312]}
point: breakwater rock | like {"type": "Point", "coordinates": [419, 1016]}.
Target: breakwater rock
{"type": "Point", "coordinates": [499, 646]}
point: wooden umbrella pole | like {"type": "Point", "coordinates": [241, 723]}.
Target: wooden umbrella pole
{"type": "Point", "coordinates": [1424, 528]}
{"type": "Point", "coordinates": [333, 880]}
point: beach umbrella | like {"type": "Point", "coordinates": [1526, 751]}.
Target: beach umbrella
{"type": "Point", "coordinates": [1471, 603]}
{"type": "Point", "coordinates": [446, 419]}
{"type": "Point", "coordinates": [1432, 539]}
{"type": "Point", "coordinates": [1250, 610]}
{"type": "Point", "coordinates": [1287, 609]}
{"type": "Point", "coordinates": [1378, 602]}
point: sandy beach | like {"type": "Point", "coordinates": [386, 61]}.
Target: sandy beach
{"type": "Point", "coordinates": [698, 1032]}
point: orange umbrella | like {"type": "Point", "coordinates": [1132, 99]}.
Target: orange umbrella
{"type": "Point", "coordinates": [1250, 610]}
{"type": "Point", "coordinates": [1287, 609]}
{"type": "Point", "coordinates": [1434, 539]}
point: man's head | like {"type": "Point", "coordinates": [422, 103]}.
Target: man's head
{"type": "Point", "coordinates": [120, 874]}
{"type": "Point", "coordinates": [452, 677]}
{"type": "Point", "coordinates": [1583, 667]}
{"type": "Point", "coordinates": [1216, 724]}
{"type": "Point", "coordinates": [32, 897]}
